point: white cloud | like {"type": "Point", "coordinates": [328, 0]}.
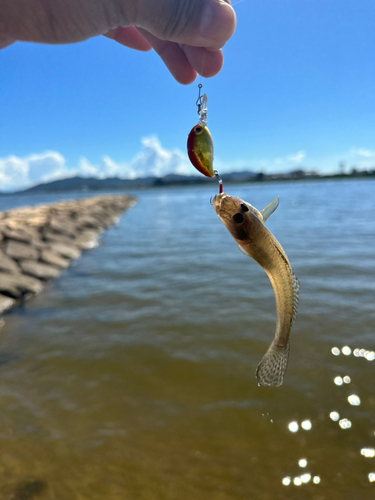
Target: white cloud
{"type": "Point", "coordinates": [297, 157]}
{"type": "Point", "coordinates": [18, 172]}
{"type": "Point", "coordinates": [289, 161]}
{"type": "Point", "coordinates": [152, 159]}
{"type": "Point", "coordinates": [362, 153]}
{"type": "Point", "coordinates": [45, 166]}
{"type": "Point", "coordinates": [13, 171]}
{"type": "Point", "coordinates": [109, 168]}
{"type": "Point", "coordinates": [86, 169]}
{"type": "Point", "coordinates": [359, 158]}
{"type": "Point", "coordinates": [266, 165]}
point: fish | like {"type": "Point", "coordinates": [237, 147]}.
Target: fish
{"type": "Point", "coordinates": [246, 224]}
{"type": "Point", "coordinates": [200, 148]}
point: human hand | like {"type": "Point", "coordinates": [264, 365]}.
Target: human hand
{"type": "Point", "coordinates": [187, 34]}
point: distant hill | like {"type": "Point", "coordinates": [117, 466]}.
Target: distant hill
{"type": "Point", "coordinates": [87, 184]}
{"type": "Point", "coordinates": [114, 183]}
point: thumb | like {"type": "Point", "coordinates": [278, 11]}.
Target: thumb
{"type": "Point", "coordinates": [200, 23]}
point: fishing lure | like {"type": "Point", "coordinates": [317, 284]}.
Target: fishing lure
{"type": "Point", "coordinates": [200, 146]}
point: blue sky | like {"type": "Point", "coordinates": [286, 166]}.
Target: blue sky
{"type": "Point", "coordinates": [297, 89]}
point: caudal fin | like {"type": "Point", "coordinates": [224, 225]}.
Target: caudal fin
{"type": "Point", "coordinates": [271, 369]}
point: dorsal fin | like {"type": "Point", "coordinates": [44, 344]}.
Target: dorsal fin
{"type": "Point", "coordinates": [269, 210]}
{"type": "Point", "coordinates": [296, 288]}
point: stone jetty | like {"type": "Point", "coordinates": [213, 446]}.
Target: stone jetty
{"type": "Point", "coordinates": [38, 243]}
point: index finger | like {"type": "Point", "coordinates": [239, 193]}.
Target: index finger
{"type": "Point", "coordinates": [198, 23]}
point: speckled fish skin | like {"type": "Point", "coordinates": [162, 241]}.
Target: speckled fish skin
{"type": "Point", "coordinates": [200, 149]}
{"type": "Point", "coordinates": [246, 224]}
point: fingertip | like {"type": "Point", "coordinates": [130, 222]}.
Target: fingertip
{"type": "Point", "coordinates": [173, 57]}
{"type": "Point", "coordinates": [216, 63]}
{"type": "Point", "coordinates": [186, 79]}
{"type": "Point", "coordinates": [218, 22]}
{"type": "Point", "coordinates": [205, 63]}
{"type": "Point", "coordinates": [181, 71]}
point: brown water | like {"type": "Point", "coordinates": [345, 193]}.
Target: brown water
{"type": "Point", "coordinates": [132, 375]}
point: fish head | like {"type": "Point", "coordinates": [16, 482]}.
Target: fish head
{"type": "Point", "coordinates": [201, 150]}
{"type": "Point", "coordinates": [237, 215]}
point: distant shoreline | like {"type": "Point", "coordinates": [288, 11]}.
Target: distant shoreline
{"type": "Point", "coordinates": [87, 185]}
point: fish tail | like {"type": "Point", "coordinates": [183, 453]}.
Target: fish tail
{"type": "Point", "coordinates": [271, 369]}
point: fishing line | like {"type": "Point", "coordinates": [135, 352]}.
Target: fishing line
{"type": "Point", "coordinates": [238, 1]}
{"type": "Point", "coordinates": [216, 173]}
{"type": "Point", "coordinates": [203, 61]}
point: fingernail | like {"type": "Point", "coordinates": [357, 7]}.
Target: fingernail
{"type": "Point", "coordinates": [218, 21]}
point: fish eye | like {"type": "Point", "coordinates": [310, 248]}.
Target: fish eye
{"type": "Point", "coordinates": [244, 207]}
{"type": "Point", "coordinates": [237, 218]}
{"type": "Point", "coordinates": [198, 129]}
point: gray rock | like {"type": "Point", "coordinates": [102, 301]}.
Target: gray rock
{"type": "Point", "coordinates": [49, 236]}
{"type": "Point", "coordinates": [90, 222]}
{"type": "Point", "coordinates": [39, 270]}
{"type": "Point", "coordinates": [109, 218]}
{"type": "Point", "coordinates": [8, 286]}
{"type": "Point", "coordinates": [35, 237]}
{"type": "Point", "coordinates": [7, 264]}
{"type": "Point", "coordinates": [20, 251]}
{"type": "Point", "coordinates": [30, 284]}
{"type": "Point", "coordinates": [32, 231]}
{"type": "Point", "coordinates": [39, 244]}
{"type": "Point", "coordinates": [54, 259]}
{"type": "Point", "coordinates": [88, 239]}
{"type": "Point", "coordinates": [68, 251]}
{"type": "Point", "coordinates": [63, 226]}
{"type": "Point", "coordinates": [17, 285]}
{"type": "Point", "coordinates": [15, 234]}
{"type": "Point", "coordinates": [6, 303]}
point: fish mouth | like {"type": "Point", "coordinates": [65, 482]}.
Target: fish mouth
{"type": "Point", "coordinates": [232, 212]}
{"type": "Point", "coordinates": [226, 206]}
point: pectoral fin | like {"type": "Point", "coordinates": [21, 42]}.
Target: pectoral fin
{"type": "Point", "coordinates": [269, 210]}
{"type": "Point", "coordinates": [242, 250]}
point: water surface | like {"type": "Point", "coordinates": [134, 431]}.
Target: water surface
{"type": "Point", "coordinates": [132, 375]}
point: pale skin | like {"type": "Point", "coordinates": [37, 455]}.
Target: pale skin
{"type": "Point", "coordinates": [187, 34]}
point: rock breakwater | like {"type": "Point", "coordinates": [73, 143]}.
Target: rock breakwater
{"type": "Point", "coordinates": [38, 243]}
